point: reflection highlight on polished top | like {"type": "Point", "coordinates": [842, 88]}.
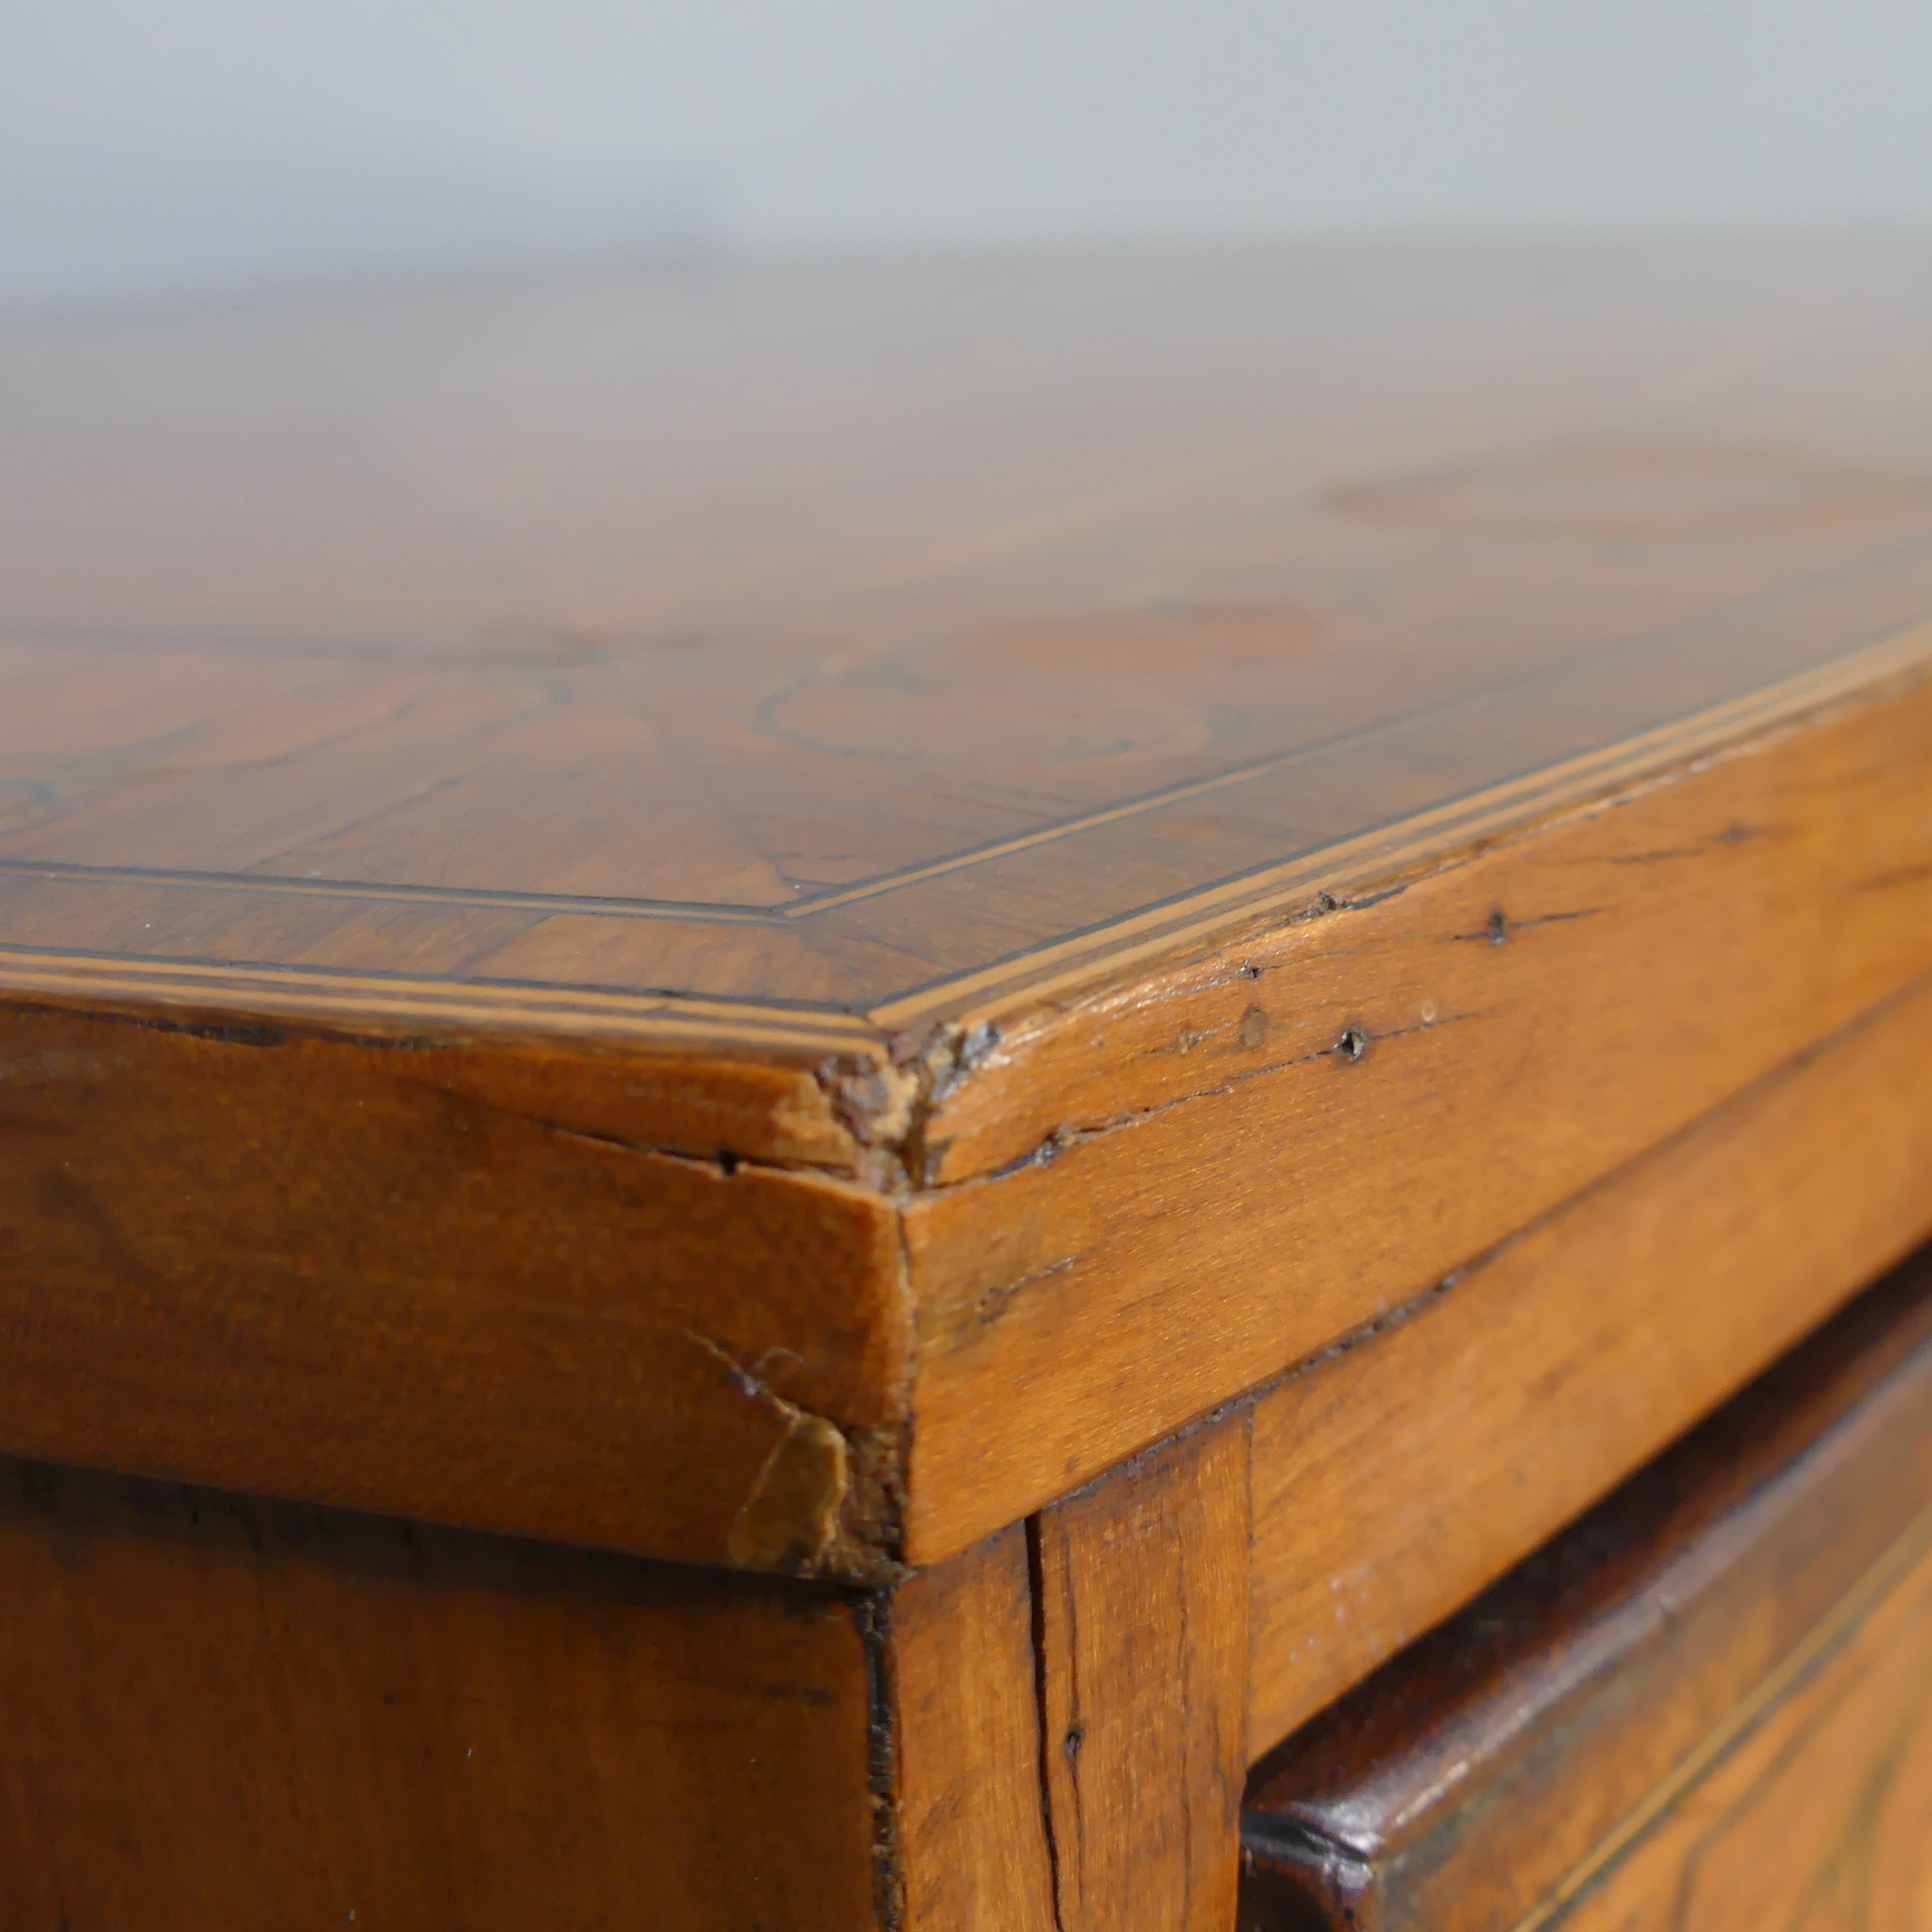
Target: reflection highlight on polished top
{"type": "Point", "coordinates": [777, 650]}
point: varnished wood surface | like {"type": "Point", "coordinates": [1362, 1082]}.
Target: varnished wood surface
{"type": "Point", "coordinates": [1220, 1169]}
{"type": "Point", "coordinates": [680, 607]}
{"type": "Point", "coordinates": [825, 636]}
{"type": "Point", "coordinates": [217, 1711]}
{"type": "Point", "coordinates": [1142, 1597]}
{"type": "Point", "coordinates": [625, 904]}
{"type": "Point", "coordinates": [1707, 1704]}
{"type": "Point", "coordinates": [970, 1848]}
{"type": "Point", "coordinates": [458, 1284]}
{"type": "Point", "coordinates": [1397, 1475]}
{"type": "Point", "coordinates": [1820, 1815]}
{"type": "Point", "coordinates": [220, 1713]}
{"type": "Point", "coordinates": [287, 1266]}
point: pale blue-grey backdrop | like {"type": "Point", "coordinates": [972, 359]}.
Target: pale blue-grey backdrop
{"type": "Point", "coordinates": [164, 146]}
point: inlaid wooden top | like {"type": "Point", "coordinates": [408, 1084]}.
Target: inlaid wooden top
{"type": "Point", "coordinates": [947, 760]}
{"type": "Point", "coordinates": [764, 647]}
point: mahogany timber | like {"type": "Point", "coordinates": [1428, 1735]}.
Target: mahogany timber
{"type": "Point", "coordinates": [1708, 1703]}
{"type": "Point", "coordinates": [625, 902]}
{"type": "Point", "coordinates": [1396, 1475]}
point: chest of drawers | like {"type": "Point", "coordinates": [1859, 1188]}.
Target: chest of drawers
{"type": "Point", "coordinates": [814, 1078]}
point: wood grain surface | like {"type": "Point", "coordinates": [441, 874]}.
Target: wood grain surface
{"type": "Point", "coordinates": [1819, 1816]}
{"type": "Point", "coordinates": [286, 1264]}
{"type": "Point", "coordinates": [818, 636]}
{"type": "Point", "coordinates": [224, 1713]}
{"type": "Point", "coordinates": [1397, 1475]}
{"type": "Point", "coordinates": [626, 901]}
{"type": "Point", "coordinates": [1141, 1588]}
{"type": "Point", "coordinates": [1707, 1703]}
{"type": "Point", "coordinates": [1221, 1167]}
{"type": "Point", "coordinates": [970, 1851]}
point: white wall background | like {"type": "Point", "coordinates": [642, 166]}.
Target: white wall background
{"type": "Point", "coordinates": [159, 146]}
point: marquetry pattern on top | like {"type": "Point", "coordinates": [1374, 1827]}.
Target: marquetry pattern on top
{"type": "Point", "coordinates": [789, 644]}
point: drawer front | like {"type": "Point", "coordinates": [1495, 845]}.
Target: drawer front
{"type": "Point", "coordinates": [1812, 1808]}
{"type": "Point", "coordinates": [1707, 1704]}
